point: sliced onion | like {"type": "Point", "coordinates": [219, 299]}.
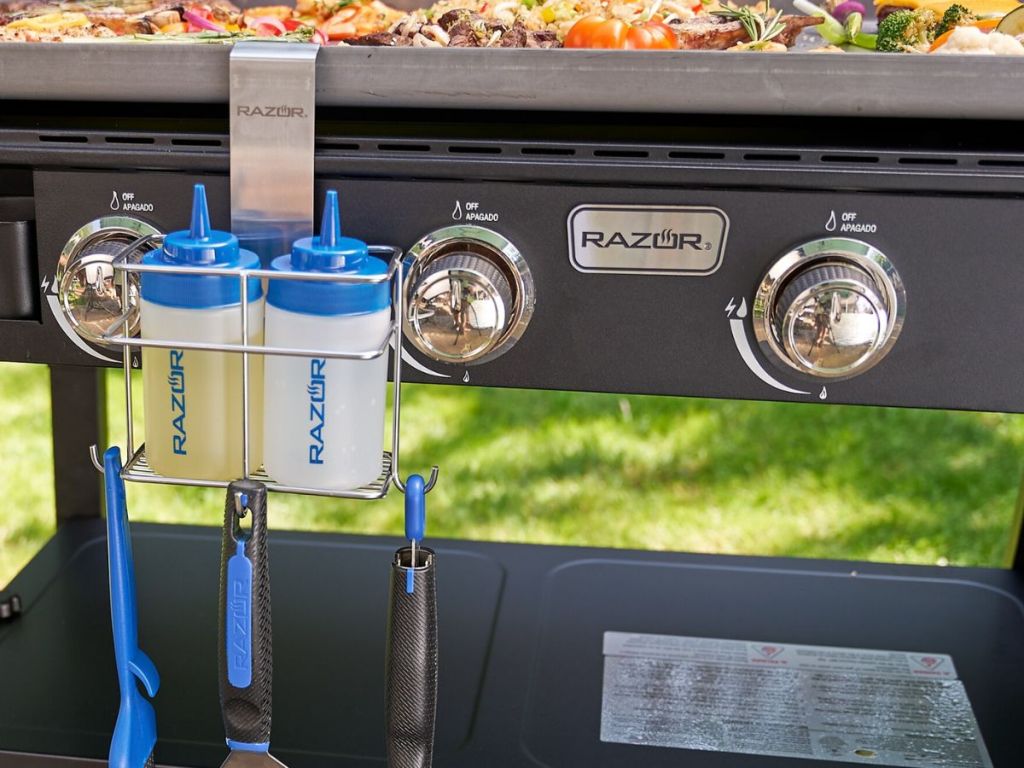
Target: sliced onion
{"type": "Point", "coordinates": [198, 21]}
{"type": "Point", "coordinates": [843, 10]}
{"type": "Point", "coordinates": [269, 21]}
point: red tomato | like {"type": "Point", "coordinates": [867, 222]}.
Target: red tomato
{"type": "Point", "coordinates": [596, 31]}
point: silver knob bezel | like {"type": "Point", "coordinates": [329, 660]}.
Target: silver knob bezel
{"type": "Point", "coordinates": [98, 230]}
{"type": "Point", "coordinates": [507, 257]}
{"type": "Point", "coordinates": [887, 285]}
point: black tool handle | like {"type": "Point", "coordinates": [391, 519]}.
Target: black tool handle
{"type": "Point", "coordinates": [244, 654]}
{"type": "Point", "coordinates": [411, 665]}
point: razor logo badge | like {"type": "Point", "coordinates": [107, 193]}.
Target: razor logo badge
{"type": "Point", "coordinates": [647, 239]}
{"type": "Point", "coordinates": [245, 110]}
{"type": "Point", "coordinates": [317, 391]}
{"type": "Point", "coordinates": [176, 380]}
{"type": "Point", "coordinates": [238, 621]}
{"type": "Point", "coordinates": [666, 240]}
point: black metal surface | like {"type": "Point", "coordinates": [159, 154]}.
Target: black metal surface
{"type": "Point", "coordinates": [954, 247]}
{"type": "Point", "coordinates": [521, 628]}
{"type": "Point", "coordinates": [19, 299]}
{"type": "Point", "coordinates": [246, 711]}
{"type": "Point", "coordinates": [10, 607]}
{"type": "Point", "coordinates": [78, 406]}
{"type": "Point", "coordinates": [1016, 550]}
{"type": "Point", "coordinates": [411, 661]}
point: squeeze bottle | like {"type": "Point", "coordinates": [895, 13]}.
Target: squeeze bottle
{"type": "Point", "coordinates": [324, 417]}
{"type": "Point", "coordinates": [193, 399]}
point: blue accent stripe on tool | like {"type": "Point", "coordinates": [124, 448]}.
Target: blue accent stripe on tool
{"type": "Point", "coordinates": [415, 521]}
{"type": "Point", "coordinates": [239, 619]}
{"type": "Point", "coordinates": [244, 746]}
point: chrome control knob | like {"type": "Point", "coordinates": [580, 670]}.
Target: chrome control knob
{"type": "Point", "coordinates": [470, 295]}
{"type": "Point", "coordinates": [93, 295]}
{"type": "Point", "coordinates": [831, 308]}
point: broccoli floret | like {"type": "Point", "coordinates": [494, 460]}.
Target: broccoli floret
{"type": "Point", "coordinates": [955, 16]}
{"type": "Point", "coordinates": [907, 31]}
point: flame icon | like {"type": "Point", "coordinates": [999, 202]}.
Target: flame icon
{"type": "Point", "coordinates": [114, 203]}
{"type": "Point", "coordinates": [457, 213]}
{"type": "Point", "coordinates": [465, 377]}
{"type": "Point", "coordinates": [823, 395]}
{"type": "Point", "coordinates": [830, 225]}
{"type": "Point", "coordinates": [742, 311]}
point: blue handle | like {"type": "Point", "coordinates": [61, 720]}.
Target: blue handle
{"type": "Point", "coordinates": [415, 521]}
{"type": "Point", "coordinates": [415, 509]}
{"type": "Point", "coordinates": [135, 731]}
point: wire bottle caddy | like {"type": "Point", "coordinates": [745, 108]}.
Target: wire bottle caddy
{"type": "Point", "coordinates": [116, 280]}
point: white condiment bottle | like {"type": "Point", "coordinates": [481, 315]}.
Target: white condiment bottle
{"type": "Point", "coordinates": [324, 417]}
{"type": "Point", "coordinates": [192, 399]}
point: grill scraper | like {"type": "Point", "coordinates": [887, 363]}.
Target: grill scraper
{"type": "Point", "coordinates": [245, 658]}
{"type": "Point", "coordinates": [135, 730]}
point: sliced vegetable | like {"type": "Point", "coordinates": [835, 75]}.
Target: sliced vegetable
{"type": "Point", "coordinates": [843, 10]}
{"type": "Point", "coordinates": [831, 28]}
{"type": "Point", "coordinates": [341, 26]}
{"type": "Point", "coordinates": [51, 21]}
{"type": "Point", "coordinates": [985, 25]}
{"type": "Point", "coordinates": [854, 32]}
{"type": "Point", "coordinates": [1012, 23]}
{"type": "Point", "coordinates": [836, 32]}
{"type": "Point", "coordinates": [202, 22]}
{"type": "Point", "coordinates": [596, 31]}
{"type": "Point", "coordinates": [177, 28]}
{"type": "Point", "coordinates": [266, 25]}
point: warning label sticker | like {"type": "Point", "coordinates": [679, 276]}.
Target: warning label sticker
{"type": "Point", "coordinates": [883, 708]}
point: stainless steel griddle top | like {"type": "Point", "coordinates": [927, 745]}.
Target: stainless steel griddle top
{"type": "Point", "coordinates": [972, 87]}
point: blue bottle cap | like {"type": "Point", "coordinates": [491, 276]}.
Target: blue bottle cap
{"type": "Point", "coordinates": [199, 247]}
{"type": "Point", "coordinates": [330, 252]}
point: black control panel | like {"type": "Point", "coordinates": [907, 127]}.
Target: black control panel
{"type": "Point", "coordinates": [642, 288]}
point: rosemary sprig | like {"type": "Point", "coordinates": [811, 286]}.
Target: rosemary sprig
{"type": "Point", "coordinates": [759, 26]}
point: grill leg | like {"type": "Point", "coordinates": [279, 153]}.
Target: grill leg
{"type": "Point", "coordinates": [1017, 542]}
{"type": "Point", "coordinates": [78, 402]}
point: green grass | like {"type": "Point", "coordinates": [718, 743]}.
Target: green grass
{"type": "Point", "coordinates": [607, 470]}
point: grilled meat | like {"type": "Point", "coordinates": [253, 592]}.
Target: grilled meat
{"type": "Point", "coordinates": [713, 33]}
{"type": "Point", "coordinates": [461, 28]}
{"type": "Point", "coordinates": [382, 39]}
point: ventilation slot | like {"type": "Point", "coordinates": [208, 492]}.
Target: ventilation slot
{"type": "Point", "coordinates": [197, 142]}
{"type": "Point", "coordinates": [927, 161]}
{"type": "Point", "coordinates": [1001, 163]}
{"type": "Point", "coordinates": [339, 145]}
{"type": "Point", "coordinates": [624, 153]}
{"type": "Point", "coordinates": [466, 150]}
{"type": "Point", "coordinates": [403, 147]}
{"type": "Point", "coordinates": [862, 159]}
{"type": "Point", "coordinates": [551, 151]}
{"type": "Point", "coordinates": [65, 139]}
{"type": "Point", "coordinates": [694, 155]}
{"type": "Point", "coordinates": [771, 157]}
{"type": "Point", "coordinates": [129, 140]}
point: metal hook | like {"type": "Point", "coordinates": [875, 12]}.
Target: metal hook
{"type": "Point", "coordinates": [94, 456]}
{"type": "Point", "coordinates": [431, 481]}
{"type": "Point", "coordinates": [241, 504]}
{"type": "Point", "coordinates": [398, 301]}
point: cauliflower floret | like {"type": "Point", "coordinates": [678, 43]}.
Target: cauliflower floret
{"type": "Point", "coordinates": [972, 40]}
